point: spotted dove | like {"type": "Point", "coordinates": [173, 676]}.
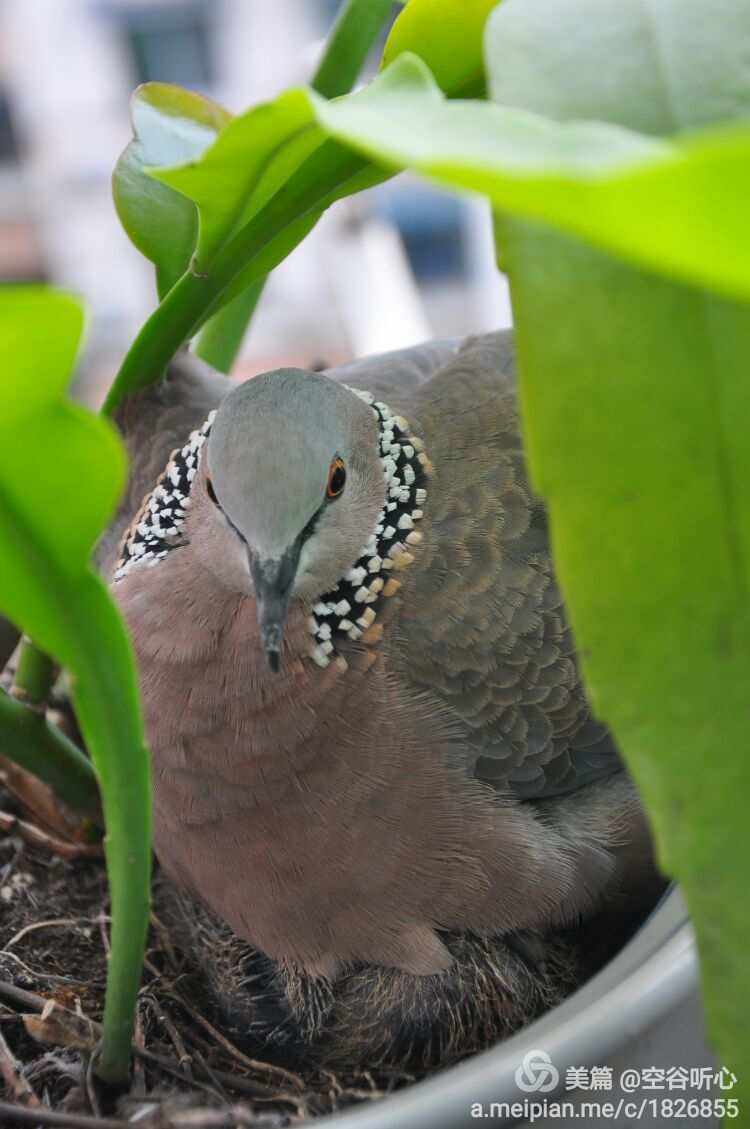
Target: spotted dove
{"type": "Point", "coordinates": [359, 683]}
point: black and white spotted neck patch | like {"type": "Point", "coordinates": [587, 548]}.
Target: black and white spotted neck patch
{"type": "Point", "coordinates": [351, 608]}
{"type": "Point", "coordinates": [156, 527]}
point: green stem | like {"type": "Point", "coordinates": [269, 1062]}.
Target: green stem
{"type": "Point", "coordinates": [42, 749]}
{"type": "Point", "coordinates": [353, 34]}
{"type": "Point", "coordinates": [221, 338]}
{"type": "Point", "coordinates": [34, 676]}
{"type": "Point", "coordinates": [108, 711]}
{"type": "Point", "coordinates": [312, 187]}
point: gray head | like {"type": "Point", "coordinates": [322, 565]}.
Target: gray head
{"type": "Point", "coordinates": [293, 470]}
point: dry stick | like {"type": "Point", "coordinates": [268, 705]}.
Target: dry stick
{"type": "Point", "coordinates": [257, 1090]}
{"type": "Point", "coordinates": [235, 1052]}
{"type": "Point", "coordinates": [38, 974]}
{"type": "Point", "coordinates": [162, 1016]}
{"type": "Point", "coordinates": [34, 835]}
{"type": "Point", "coordinates": [22, 1115]}
{"type": "Point", "coordinates": [23, 1000]}
{"type": "Point", "coordinates": [138, 1087]}
{"type": "Point", "coordinates": [172, 1068]}
{"type": "Point", "coordinates": [53, 923]}
{"type": "Point", "coordinates": [20, 998]}
{"type": "Point", "coordinates": [213, 1083]}
{"type": "Point", "coordinates": [15, 1083]}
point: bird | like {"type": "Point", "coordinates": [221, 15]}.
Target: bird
{"type": "Point", "coordinates": [361, 692]}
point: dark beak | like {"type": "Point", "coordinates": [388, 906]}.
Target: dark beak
{"type": "Point", "coordinates": [273, 581]}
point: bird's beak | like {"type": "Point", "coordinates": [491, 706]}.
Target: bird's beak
{"type": "Point", "coordinates": [273, 580]}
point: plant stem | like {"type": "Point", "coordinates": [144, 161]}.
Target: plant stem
{"type": "Point", "coordinates": [313, 186]}
{"type": "Point", "coordinates": [221, 338]}
{"type": "Point", "coordinates": [108, 711]}
{"type": "Point", "coordinates": [34, 676]}
{"type": "Point", "coordinates": [40, 748]}
{"type": "Point", "coordinates": [351, 37]}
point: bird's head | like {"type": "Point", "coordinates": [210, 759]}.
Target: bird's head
{"type": "Point", "coordinates": [293, 472]}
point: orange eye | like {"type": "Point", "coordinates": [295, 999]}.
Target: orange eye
{"type": "Point", "coordinates": [336, 478]}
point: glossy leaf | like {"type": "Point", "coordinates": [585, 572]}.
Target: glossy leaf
{"type": "Point", "coordinates": [170, 126]}
{"type": "Point", "coordinates": [447, 36]}
{"type": "Point", "coordinates": [590, 178]}
{"type": "Point", "coordinates": [223, 180]}
{"type": "Point", "coordinates": [657, 66]}
{"type": "Point", "coordinates": [61, 472]}
{"type": "Point", "coordinates": [637, 414]}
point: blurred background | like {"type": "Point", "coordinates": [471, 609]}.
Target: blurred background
{"type": "Point", "coordinates": [399, 264]}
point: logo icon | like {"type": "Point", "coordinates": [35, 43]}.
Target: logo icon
{"type": "Point", "coordinates": [537, 1073]}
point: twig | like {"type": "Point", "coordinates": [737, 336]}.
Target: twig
{"type": "Point", "coordinates": [253, 1063]}
{"type": "Point", "coordinates": [37, 974]}
{"type": "Point", "coordinates": [162, 1016]}
{"type": "Point", "coordinates": [15, 1083]}
{"type": "Point", "coordinates": [138, 1087]}
{"type": "Point", "coordinates": [103, 920]}
{"type": "Point", "coordinates": [22, 1115]}
{"type": "Point", "coordinates": [59, 1026]}
{"type": "Point", "coordinates": [54, 923]}
{"type": "Point", "coordinates": [172, 1068]}
{"type": "Point", "coordinates": [36, 837]}
{"type": "Point", "coordinates": [20, 998]}
{"type": "Point", "coordinates": [214, 1084]}
{"type": "Point", "coordinates": [256, 1090]}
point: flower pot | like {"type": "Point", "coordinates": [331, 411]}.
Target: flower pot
{"type": "Point", "coordinates": [639, 1017]}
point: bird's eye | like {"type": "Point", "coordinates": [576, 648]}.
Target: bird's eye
{"type": "Point", "coordinates": [211, 492]}
{"type": "Point", "coordinates": [336, 478]}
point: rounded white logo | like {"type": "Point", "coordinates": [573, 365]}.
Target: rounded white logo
{"type": "Point", "coordinates": [537, 1074]}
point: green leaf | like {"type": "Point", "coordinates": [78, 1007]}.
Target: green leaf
{"type": "Point", "coordinates": [223, 181]}
{"type": "Point", "coordinates": [658, 66]}
{"type": "Point", "coordinates": [170, 126]}
{"type": "Point", "coordinates": [61, 472]}
{"type": "Point", "coordinates": [637, 416]}
{"type": "Point", "coordinates": [349, 42]}
{"type": "Point", "coordinates": [447, 36]}
{"type": "Point", "coordinates": [593, 179]}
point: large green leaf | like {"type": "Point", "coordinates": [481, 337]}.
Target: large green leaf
{"type": "Point", "coordinates": [61, 472]}
{"type": "Point", "coordinates": [637, 416]}
{"type": "Point", "coordinates": [447, 36]}
{"type": "Point", "coordinates": [170, 126]}
{"type": "Point", "coordinates": [659, 66]}
{"type": "Point", "coordinates": [593, 179]}
{"type": "Point", "coordinates": [637, 412]}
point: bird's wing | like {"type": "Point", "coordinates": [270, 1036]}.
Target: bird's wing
{"type": "Point", "coordinates": [399, 373]}
{"type": "Point", "coordinates": [481, 622]}
{"type": "Point", "coordinates": [153, 423]}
